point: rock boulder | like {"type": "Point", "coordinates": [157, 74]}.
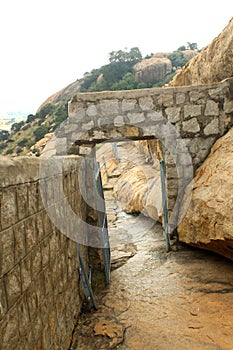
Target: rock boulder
{"type": "Point", "coordinates": [139, 190]}
{"type": "Point", "coordinates": [152, 69]}
{"type": "Point", "coordinates": [208, 222]}
{"type": "Point", "coordinates": [212, 64]}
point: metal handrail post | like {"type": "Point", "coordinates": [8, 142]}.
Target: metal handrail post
{"type": "Point", "coordinates": [115, 151]}
{"type": "Point", "coordinates": [164, 201]}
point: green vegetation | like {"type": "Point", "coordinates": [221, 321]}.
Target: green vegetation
{"type": "Point", "coordinates": [178, 59]}
{"type": "Point", "coordinates": [4, 135]}
{"type": "Point", "coordinates": [118, 74]}
{"type": "Point", "coordinates": [24, 135]}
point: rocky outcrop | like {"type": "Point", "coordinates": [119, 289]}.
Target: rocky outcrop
{"type": "Point", "coordinates": [139, 190]}
{"type": "Point", "coordinates": [152, 69]}
{"type": "Point", "coordinates": [208, 222]}
{"type": "Point", "coordinates": [64, 94]}
{"type": "Point", "coordinates": [213, 64]}
{"type": "Point", "coordinates": [40, 145]}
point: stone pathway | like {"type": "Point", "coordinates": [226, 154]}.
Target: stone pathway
{"type": "Point", "coordinates": [157, 301]}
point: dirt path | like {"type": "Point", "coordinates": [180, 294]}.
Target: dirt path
{"type": "Point", "coordinates": [157, 301]}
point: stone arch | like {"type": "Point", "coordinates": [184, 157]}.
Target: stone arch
{"type": "Point", "coordinates": [187, 121]}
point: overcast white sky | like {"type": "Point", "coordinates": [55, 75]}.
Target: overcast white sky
{"type": "Point", "coordinates": [48, 44]}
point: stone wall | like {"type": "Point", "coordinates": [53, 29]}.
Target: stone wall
{"type": "Point", "coordinates": [187, 121]}
{"type": "Point", "coordinates": [40, 291]}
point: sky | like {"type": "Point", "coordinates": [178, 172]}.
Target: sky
{"type": "Point", "coordinates": [48, 44]}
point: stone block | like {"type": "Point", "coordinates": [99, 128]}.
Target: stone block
{"type": "Point", "coordinates": [128, 105]}
{"type": "Point", "coordinates": [48, 225]}
{"type": "Point", "coordinates": [211, 109]}
{"type": "Point", "coordinates": [173, 114]}
{"type": "Point", "coordinates": [192, 111]}
{"type": "Point", "coordinates": [119, 120]}
{"type": "Point", "coordinates": [70, 128]}
{"type": "Point", "coordinates": [39, 226]}
{"type": "Point", "coordinates": [109, 107]}
{"type": "Point", "coordinates": [191, 126]}
{"type": "Point", "coordinates": [8, 207]}
{"type": "Point", "coordinates": [52, 322]}
{"type": "Point", "coordinates": [28, 341]}
{"type": "Point", "coordinates": [228, 106]}
{"type": "Point", "coordinates": [33, 194]}
{"type": "Point", "coordinates": [172, 191]}
{"type": "Point", "coordinates": [92, 111]}
{"type": "Point", "coordinates": [46, 341]}
{"type": "Point", "coordinates": [88, 126]}
{"type": "Point", "coordinates": [23, 314]}
{"type": "Point", "coordinates": [37, 328]}
{"type": "Point", "coordinates": [180, 98]}
{"type": "Point", "coordinates": [197, 96]}
{"type": "Point", "coordinates": [170, 160]}
{"type": "Point", "coordinates": [78, 135]}
{"type": "Point", "coordinates": [30, 233]}
{"type": "Point", "coordinates": [45, 252]}
{"type": "Point", "coordinates": [171, 203]}
{"type": "Point", "coordinates": [47, 275]}
{"type": "Point", "coordinates": [34, 298]}
{"type": "Point", "coordinates": [146, 103]}
{"type": "Point", "coordinates": [212, 128]}
{"type": "Point", "coordinates": [6, 251]}
{"type": "Point", "coordinates": [9, 330]}
{"type": "Point", "coordinates": [13, 286]}
{"type": "Point", "coordinates": [171, 172]}
{"type": "Point", "coordinates": [135, 118]}
{"type": "Point", "coordinates": [3, 301]}
{"type": "Point", "coordinates": [22, 201]}
{"type": "Point", "coordinates": [36, 262]}
{"type": "Point", "coordinates": [218, 92]}
{"type": "Point", "coordinates": [165, 99]}
{"type": "Point", "coordinates": [61, 145]}
{"type": "Point", "coordinates": [155, 116]}
{"type": "Point", "coordinates": [183, 159]}
{"type": "Point", "coordinates": [76, 113]}
{"type": "Point", "coordinates": [25, 269]}
{"type": "Point", "coordinates": [19, 241]}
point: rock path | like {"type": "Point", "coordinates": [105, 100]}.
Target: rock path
{"type": "Point", "coordinates": [179, 300]}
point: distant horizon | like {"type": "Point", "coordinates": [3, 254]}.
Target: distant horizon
{"type": "Point", "coordinates": [12, 113]}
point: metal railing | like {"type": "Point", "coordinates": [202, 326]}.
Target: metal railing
{"type": "Point", "coordinates": [103, 225]}
{"type": "Point", "coordinates": [86, 279]}
{"type": "Point", "coordinates": [164, 201]}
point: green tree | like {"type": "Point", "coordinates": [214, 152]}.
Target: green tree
{"type": "Point", "coordinates": [49, 108]}
{"type": "Point", "coordinates": [23, 142]}
{"type": "Point", "coordinates": [89, 79]}
{"type": "Point", "coordinates": [2, 146]}
{"type": "Point", "coordinates": [114, 71]}
{"type": "Point", "coordinates": [178, 59]}
{"type": "Point", "coordinates": [18, 150]}
{"type": "Point", "coordinates": [40, 132]}
{"type": "Point", "coordinates": [17, 126]}
{"type": "Point", "coordinates": [117, 56]}
{"type": "Point", "coordinates": [4, 135]}
{"type": "Point", "coordinates": [134, 55]}
{"type": "Point", "coordinates": [192, 46]}
{"type": "Point", "coordinates": [30, 118]}
{"type": "Point", "coordinates": [127, 82]}
{"type": "Point", "coordinates": [10, 151]}
{"type": "Point", "coordinates": [181, 48]}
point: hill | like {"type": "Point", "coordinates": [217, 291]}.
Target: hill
{"type": "Point", "coordinates": [213, 64]}
{"type": "Point", "coordinates": [126, 70]}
